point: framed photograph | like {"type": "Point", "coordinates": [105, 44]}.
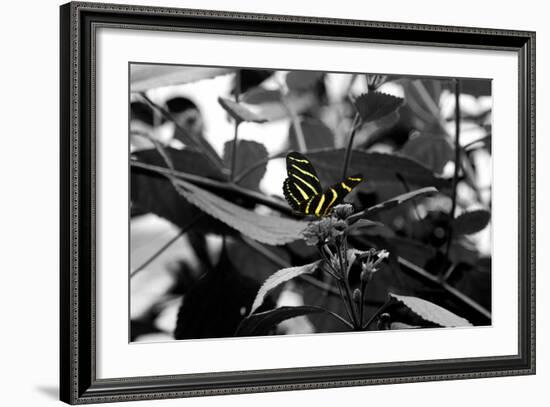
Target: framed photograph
{"type": "Point", "coordinates": [255, 203]}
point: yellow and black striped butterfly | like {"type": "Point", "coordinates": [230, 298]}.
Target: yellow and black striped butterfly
{"type": "Point", "coordinates": [302, 189]}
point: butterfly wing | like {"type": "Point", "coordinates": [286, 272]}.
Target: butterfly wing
{"type": "Point", "coordinates": [302, 188]}
{"type": "Point", "coordinates": [302, 184]}
{"type": "Point", "coordinates": [334, 195]}
{"type": "Point", "coordinates": [293, 196]}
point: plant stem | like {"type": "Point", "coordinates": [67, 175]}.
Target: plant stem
{"type": "Point", "coordinates": [349, 149]}
{"type": "Point", "coordinates": [279, 262]}
{"type": "Point", "coordinates": [300, 138]}
{"type": "Point", "coordinates": [362, 309]}
{"type": "Point", "coordinates": [339, 277]}
{"type": "Point", "coordinates": [183, 231]}
{"type": "Point", "coordinates": [246, 172]}
{"type": "Point", "coordinates": [346, 304]}
{"type": "Point", "coordinates": [457, 165]}
{"type": "Point", "coordinates": [430, 103]}
{"type": "Point", "coordinates": [349, 295]}
{"type": "Point", "coordinates": [378, 312]}
{"type": "Point", "coordinates": [212, 184]}
{"type": "Point", "coordinates": [200, 144]}
{"type": "Point", "coordinates": [239, 177]}
{"type": "Point", "coordinates": [426, 277]}
{"type": "Point", "coordinates": [340, 318]}
{"type": "Point", "coordinates": [237, 91]}
{"type": "Point", "coordinates": [401, 178]}
{"type": "Point", "coordinates": [234, 152]}
{"type": "Point", "coordinates": [449, 290]}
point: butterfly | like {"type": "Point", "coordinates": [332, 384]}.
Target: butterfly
{"type": "Point", "coordinates": [302, 189]}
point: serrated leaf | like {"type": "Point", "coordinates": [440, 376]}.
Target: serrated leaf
{"type": "Point", "coordinates": [471, 222]}
{"type": "Point", "coordinates": [392, 203]}
{"type": "Point", "coordinates": [316, 135]}
{"type": "Point", "coordinates": [431, 312]}
{"type": "Point", "coordinates": [273, 230]}
{"type": "Point", "coordinates": [263, 322]}
{"type": "Point", "coordinates": [376, 168]}
{"type": "Point", "coordinates": [301, 81]}
{"type": "Point", "coordinates": [278, 278]}
{"type": "Point", "coordinates": [431, 150]}
{"type": "Point", "coordinates": [149, 76]}
{"type": "Point", "coordinates": [375, 105]}
{"type": "Point", "coordinates": [242, 112]}
{"type": "Point", "coordinates": [186, 160]}
{"type": "Point", "coordinates": [154, 193]}
{"type": "Point", "coordinates": [248, 153]}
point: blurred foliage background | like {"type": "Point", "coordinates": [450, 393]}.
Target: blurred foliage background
{"type": "Point", "coordinates": [208, 226]}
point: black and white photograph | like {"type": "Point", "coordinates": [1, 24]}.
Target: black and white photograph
{"type": "Point", "coordinates": [292, 202]}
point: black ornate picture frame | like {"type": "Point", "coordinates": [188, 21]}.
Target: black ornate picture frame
{"type": "Point", "coordinates": [79, 22]}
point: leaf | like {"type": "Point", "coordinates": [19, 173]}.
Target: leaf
{"type": "Point", "coordinates": [273, 230]}
{"type": "Point", "coordinates": [262, 323]}
{"type": "Point", "coordinates": [154, 193]}
{"type": "Point", "coordinates": [319, 297]}
{"type": "Point", "coordinates": [432, 150]}
{"type": "Point", "coordinates": [252, 263]}
{"type": "Point", "coordinates": [259, 95]}
{"type": "Point", "coordinates": [474, 87]}
{"type": "Point", "coordinates": [316, 135]}
{"type": "Point", "coordinates": [471, 222]}
{"type": "Point", "coordinates": [463, 251]}
{"type": "Point", "coordinates": [301, 81]}
{"type": "Point", "coordinates": [412, 250]}
{"type": "Point", "coordinates": [279, 278]}
{"type": "Point", "coordinates": [364, 227]}
{"type": "Point", "coordinates": [365, 223]}
{"type": "Point", "coordinates": [430, 312]}
{"type": "Point", "coordinates": [186, 160]}
{"type": "Point", "coordinates": [375, 105]}
{"type": "Point", "coordinates": [269, 105]}
{"type": "Point", "coordinates": [242, 112]}
{"type": "Point", "coordinates": [215, 305]}
{"type": "Point", "coordinates": [248, 153]}
{"type": "Point", "coordinates": [148, 76]}
{"type": "Point", "coordinates": [376, 168]}
{"type": "Point", "coordinates": [422, 107]}
{"type": "Point", "coordinates": [250, 78]}
{"type": "Point", "coordinates": [401, 325]}
{"type": "Point", "coordinates": [392, 203]}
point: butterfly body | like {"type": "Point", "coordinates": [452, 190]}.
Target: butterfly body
{"type": "Point", "coordinates": [304, 193]}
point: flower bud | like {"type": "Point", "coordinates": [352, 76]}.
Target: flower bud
{"type": "Point", "coordinates": [384, 321]}
{"type": "Point", "coordinates": [343, 211]}
{"type": "Point", "coordinates": [383, 254]}
{"type": "Point", "coordinates": [357, 295]}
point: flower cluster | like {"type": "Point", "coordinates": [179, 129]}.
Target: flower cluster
{"type": "Point", "coordinates": [370, 260]}
{"type": "Point", "coordinates": [328, 229]}
{"type": "Point", "coordinates": [329, 235]}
